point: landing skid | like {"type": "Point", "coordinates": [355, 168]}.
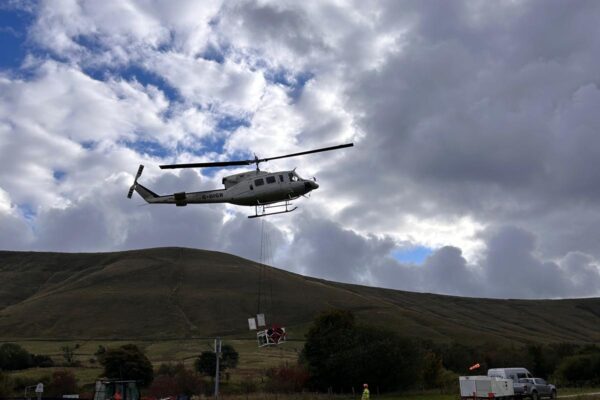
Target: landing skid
{"type": "Point", "coordinates": [262, 210]}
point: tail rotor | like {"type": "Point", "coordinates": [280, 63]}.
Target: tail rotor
{"type": "Point", "coordinates": [132, 188]}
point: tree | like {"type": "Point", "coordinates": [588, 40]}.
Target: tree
{"type": "Point", "coordinates": [14, 357]}
{"type": "Point", "coordinates": [128, 362]}
{"type": "Point", "coordinates": [432, 370]}
{"type": "Point", "coordinates": [229, 357]}
{"type": "Point", "coordinates": [69, 353]}
{"type": "Point", "coordinates": [100, 353]}
{"type": "Point", "coordinates": [580, 370]}
{"type": "Point", "coordinates": [206, 362]}
{"type": "Point", "coordinates": [339, 353]}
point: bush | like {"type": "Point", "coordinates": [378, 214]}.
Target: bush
{"type": "Point", "coordinates": [448, 382]}
{"type": "Point", "coordinates": [6, 385]}
{"type": "Point", "coordinates": [62, 382]}
{"type": "Point", "coordinates": [163, 386]}
{"type": "Point", "coordinates": [41, 361]}
{"type": "Point", "coordinates": [248, 385]}
{"type": "Point", "coordinates": [580, 370]}
{"type": "Point", "coordinates": [14, 357]}
{"type": "Point", "coordinates": [173, 380]}
{"type": "Point", "coordinates": [287, 379]}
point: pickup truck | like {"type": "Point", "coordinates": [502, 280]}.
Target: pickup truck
{"type": "Point", "coordinates": [534, 388]}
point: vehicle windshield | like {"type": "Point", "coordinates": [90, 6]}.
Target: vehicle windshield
{"type": "Point", "coordinates": [294, 177]}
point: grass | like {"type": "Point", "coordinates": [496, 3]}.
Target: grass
{"type": "Point", "coordinates": [170, 293]}
{"type": "Point", "coordinates": [570, 391]}
{"type": "Point", "coordinates": [423, 395]}
{"type": "Point", "coordinates": [253, 361]}
{"type": "Point", "coordinates": [84, 376]}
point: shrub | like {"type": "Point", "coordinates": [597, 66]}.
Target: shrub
{"type": "Point", "coordinates": [579, 370]}
{"type": "Point", "coordinates": [14, 357]}
{"type": "Point", "coordinates": [173, 380]}
{"type": "Point", "coordinates": [62, 382]}
{"type": "Point", "coordinates": [287, 379]}
{"type": "Point", "coordinates": [41, 361]}
{"type": "Point", "coordinates": [6, 385]}
{"type": "Point", "coordinates": [248, 385]}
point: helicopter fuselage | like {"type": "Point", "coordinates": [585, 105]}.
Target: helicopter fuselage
{"type": "Point", "coordinates": [250, 188]}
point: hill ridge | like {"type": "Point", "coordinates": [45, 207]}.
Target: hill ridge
{"type": "Point", "coordinates": [178, 292]}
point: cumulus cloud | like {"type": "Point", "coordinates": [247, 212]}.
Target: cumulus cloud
{"type": "Point", "coordinates": [475, 130]}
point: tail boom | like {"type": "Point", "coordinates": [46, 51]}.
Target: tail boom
{"type": "Point", "coordinates": [179, 199]}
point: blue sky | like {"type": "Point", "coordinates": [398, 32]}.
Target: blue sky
{"type": "Point", "coordinates": [13, 37]}
{"type": "Point", "coordinates": [412, 255]}
{"type": "Point", "coordinates": [474, 129]}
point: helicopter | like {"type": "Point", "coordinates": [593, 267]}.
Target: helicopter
{"type": "Point", "coordinates": [269, 192]}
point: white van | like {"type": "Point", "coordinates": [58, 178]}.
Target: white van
{"type": "Point", "coordinates": [510, 373]}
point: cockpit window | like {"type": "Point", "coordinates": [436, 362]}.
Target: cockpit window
{"type": "Point", "coordinates": [293, 177]}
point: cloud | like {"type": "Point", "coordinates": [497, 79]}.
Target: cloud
{"type": "Point", "coordinates": [510, 266]}
{"type": "Point", "coordinates": [475, 131]}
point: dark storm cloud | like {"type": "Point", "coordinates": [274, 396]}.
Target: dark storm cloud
{"type": "Point", "coordinates": [484, 112]}
{"type": "Point", "coordinates": [273, 25]}
{"type": "Point", "coordinates": [510, 266]}
{"type": "Point", "coordinates": [323, 248]}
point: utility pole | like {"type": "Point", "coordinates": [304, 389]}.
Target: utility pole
{"type": "Point", "coordinates": [218, 356]}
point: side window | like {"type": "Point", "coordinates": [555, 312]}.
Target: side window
{"type": "Point", "coordinates": [270, 179]}
{"type": "Point", "coordinates": [280, 178]}
{"type": "Point", "coordinates": [259, 182]}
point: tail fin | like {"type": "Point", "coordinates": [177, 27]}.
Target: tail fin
{"type": "Point", "coordinates": [146, 193]}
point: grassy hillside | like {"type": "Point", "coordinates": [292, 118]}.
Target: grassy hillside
{"type": "Point", "coordinates": [184, 293]}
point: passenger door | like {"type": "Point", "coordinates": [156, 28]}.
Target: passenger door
{"type": "Point", "coordinates": [542, 387]}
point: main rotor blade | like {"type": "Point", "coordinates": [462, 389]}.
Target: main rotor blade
{"type": "Point", "coordinates": [341, 146]}
{"type": "Point", "coordinates": [254, 161]}
{"type": "Point", "coordinates": [208, 164]}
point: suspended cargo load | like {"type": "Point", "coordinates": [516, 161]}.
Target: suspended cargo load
{"type": "Point", "coordinates": [271, 337]}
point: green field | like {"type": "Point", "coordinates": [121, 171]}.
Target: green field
{"type": "Point", "coordinates": [253, 361]}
